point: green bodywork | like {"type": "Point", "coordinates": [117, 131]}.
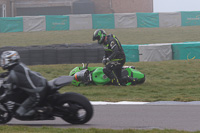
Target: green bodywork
{"type": "Point", "coordinates": [99, 78]}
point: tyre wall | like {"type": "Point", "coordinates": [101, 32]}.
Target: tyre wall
{"type": "Point", "coordinates": [59, 54]}
{"type": "Point", "coordinates": [93, 53]}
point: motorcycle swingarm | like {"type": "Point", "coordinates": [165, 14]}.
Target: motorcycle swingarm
{"type": "Point", "coordinates": [59, 112]}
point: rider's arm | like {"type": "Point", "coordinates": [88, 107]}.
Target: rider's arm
{"type": "Point", "coordinates": [10, 83]}
{"type": "Point", "coordinates": [12, 78]}
{"type": "Point", "coordinates": [3, 75]}
{"type": "Point", "coordinates": [115, 49]}
{"type": "Point", "coordinates": [19, 76]}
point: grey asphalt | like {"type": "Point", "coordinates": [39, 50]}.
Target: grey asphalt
{"type": "Point", "coordinates": [147, 116]}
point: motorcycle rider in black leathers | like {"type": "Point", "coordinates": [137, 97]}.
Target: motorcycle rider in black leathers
{"type": "Point", "coordinates": [23, 78]}
{"type": "Point", "coordinates": [114, 57]}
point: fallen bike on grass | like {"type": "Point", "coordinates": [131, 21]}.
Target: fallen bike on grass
{"type": "Point", "coordinates": [94, 75]}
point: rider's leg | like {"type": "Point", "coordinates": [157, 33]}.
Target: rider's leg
{"type": "Point", "coordinates": [110, 74]}
{"type": "Point", "coordinates": [26, 110]}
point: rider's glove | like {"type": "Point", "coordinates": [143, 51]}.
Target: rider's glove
{"type": "Point", "coordinates": [3, 75]}
{"type": "Point", "coordinates": [105, 60]}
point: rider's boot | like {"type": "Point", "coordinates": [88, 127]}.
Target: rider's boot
{"type": "Point", "coordinates": [44, 113]}
{"type": "Point", "coordinates": [115, 81]}
{"type": "Point", "coordinates": [132, 80]}
{"type": "Point", "coordinates": [112, 76]}
{"type": "Point", "coordinates": [127, 79]}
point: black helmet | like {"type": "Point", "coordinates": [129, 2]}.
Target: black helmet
{"type": "Point", "coordinates": [9, 58]}
{"type": "Point", "coordinates": [99, 35]}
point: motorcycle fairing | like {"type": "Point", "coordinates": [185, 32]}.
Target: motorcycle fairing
{"type": "Point", "coordinates": [99, 78]}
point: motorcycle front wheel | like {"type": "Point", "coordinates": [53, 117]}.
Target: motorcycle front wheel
{"type": "Point", "coordinates": [4, 115]}
{"type": "Point", "coordinates": [79, 108]}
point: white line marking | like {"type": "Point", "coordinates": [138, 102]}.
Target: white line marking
{"type": "Point", "coordinates": [117, 103]}
{"type": "Point", "coordinates": [145, 103]}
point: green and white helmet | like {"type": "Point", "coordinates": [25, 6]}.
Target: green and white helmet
{"type": "Point", "coordinates": [99, 35]}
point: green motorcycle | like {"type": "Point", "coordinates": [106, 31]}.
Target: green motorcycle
{"type": "Point", "coordinates": [95, 75]}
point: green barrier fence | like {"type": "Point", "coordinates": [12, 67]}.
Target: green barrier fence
{"type": "Point", "coordinates": [190, 18]}
{"type": "Point", "coordinates": [148, 20]}
{"type": "Point", "coordinates": [54, 23]}
{"type": "Point", "coordinates": [11, 24]}
{"type": "Point", "coordinates": [103, 21]}
{"type": "Point", "coordinates": [186, 51]}
{"type": "Point", "coordinates": [106, 21]}
{"type": "Point", "coordinates": [132, 53]}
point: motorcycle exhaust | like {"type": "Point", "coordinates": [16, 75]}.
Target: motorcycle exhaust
{"type": "Point", "coordinates": [82, 76]}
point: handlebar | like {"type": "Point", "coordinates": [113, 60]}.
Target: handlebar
{"type": "Point", "coordinates": [85, 67]}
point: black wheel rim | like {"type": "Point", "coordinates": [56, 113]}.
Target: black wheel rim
{"type": "Point", "coordinates": [76, 111]}
{"type": "Point", "coordinates": [4, 117]}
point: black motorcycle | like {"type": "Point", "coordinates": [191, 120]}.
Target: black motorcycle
{"type": "Point", "coordinates": [72, 107]}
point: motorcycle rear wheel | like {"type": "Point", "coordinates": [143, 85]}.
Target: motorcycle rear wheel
{"type": "Point", "coordinates": [80, 109]}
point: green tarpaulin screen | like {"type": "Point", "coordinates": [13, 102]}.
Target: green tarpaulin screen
{"type": "Point", "coordinates": [131, 52]}
{"type": "Point", "coordinates": [11, 24]}
{"type": "Point", "coordinates": [186, 51]}
{"type": "Point", "coordinates": [103, 21]}
{"type": "Point", "coordinates": [54, 23]}
{"type": "Point", "coordinates": [148, 20]}
{"type": "Point", "coordinates": [190, 18]}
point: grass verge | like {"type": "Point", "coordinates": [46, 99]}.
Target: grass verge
{"type": "Point", "coordinates": [126, 36]}
{"type": "Point", "coordinates": [24, 129]}
{"type": "Point", "coordinates": [165, 81]}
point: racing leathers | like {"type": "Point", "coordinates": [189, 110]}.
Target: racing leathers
{"type": "Point", "coordinates": [34, 85]}
{"type": "Point", "coordinates": [114, 59]}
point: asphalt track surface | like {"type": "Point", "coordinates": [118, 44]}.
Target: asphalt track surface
{"type": "Point", "coordinates": [159, 115]}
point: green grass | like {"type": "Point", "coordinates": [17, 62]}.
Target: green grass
{"type": "Point", "coordinates": [165, 81]}
{"type": "Point", "coordinates": [24, 129]}
{"type": "Point", "coordinates": [126, 36]}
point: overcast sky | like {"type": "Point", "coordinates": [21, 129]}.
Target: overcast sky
{"type": "Point", "coordinates": [176, 5]}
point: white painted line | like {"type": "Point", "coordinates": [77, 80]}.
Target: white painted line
{"type": "Point", "coordinates": [118, 103]}
{"type": "Point", "coordinates": [145, 103]}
